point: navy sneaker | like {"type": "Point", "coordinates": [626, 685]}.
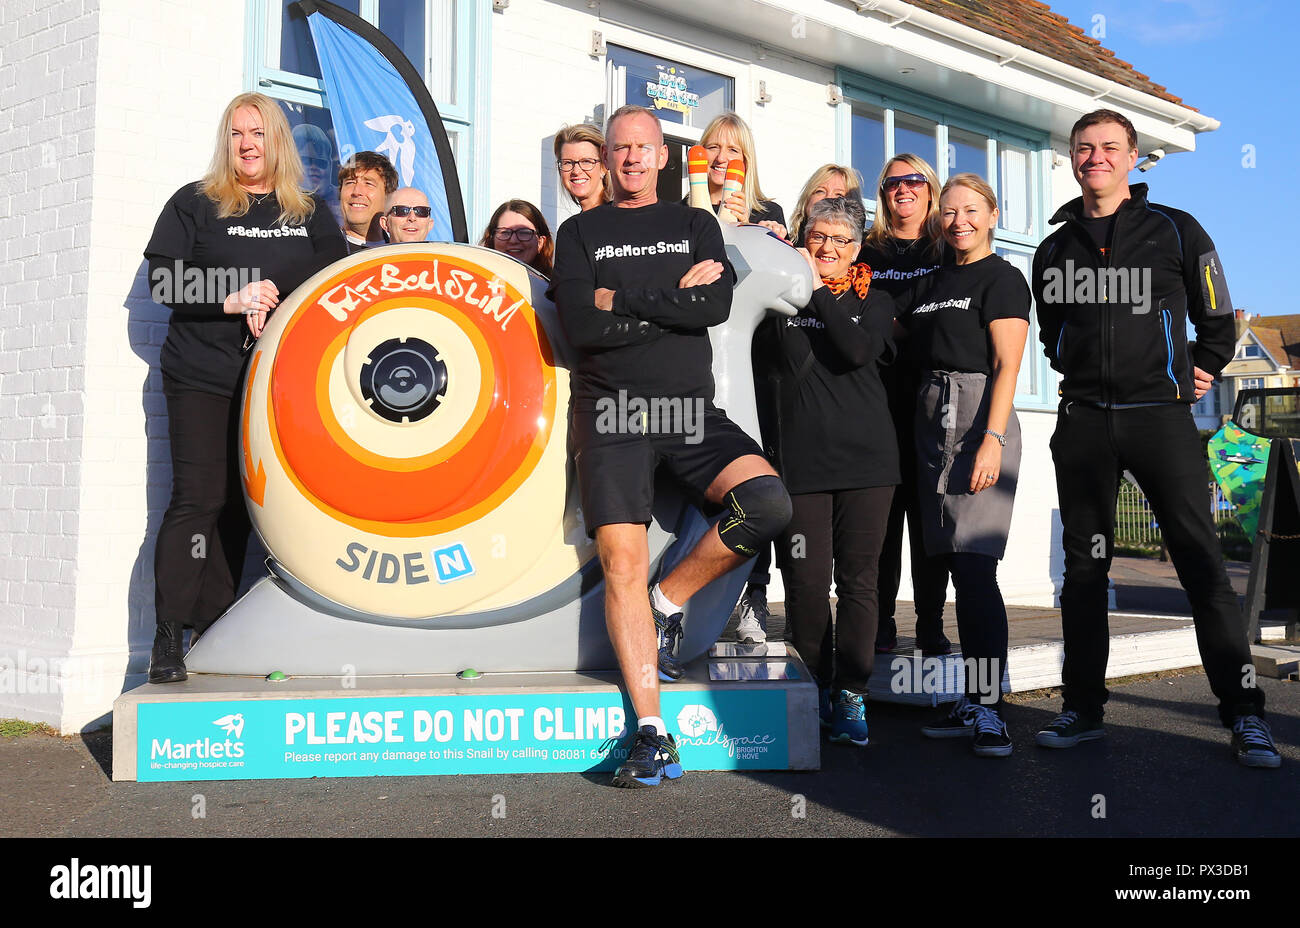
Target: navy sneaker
{"type": "Point", "coordinates": [825, 707]}
{"type": "Point", "coordinates": [669, 629]}
{"type": "Point", "coordinates": [1068, 729]}
{"type": "Point", "coordinates": [651, 760]}
{"type": "Point", "coordinates": [990, 736]}
{"type": "Point", "coordinates": [959, 723]}
{"type": "Point", "coordinates": [849, 725]}
{"type": "Point", "coordinates": [1252, 742]}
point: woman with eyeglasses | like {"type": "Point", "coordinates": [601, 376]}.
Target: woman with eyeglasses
{"type": "Point", "coordinates": [582, 173]}
{"type": "Point", "coordinates": [519, 230]}
{"type": "Point", "coordinates": [839, 461]}
{"type": "Point", "coordinates": [903, 247]}
{"type": "Point", "coordinates": [967, 333]}
{"type": "Point", "coordinates": [251, 230]}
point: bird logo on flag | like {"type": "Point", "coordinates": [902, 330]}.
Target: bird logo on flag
{"type": "Point", "coordinates": [400, 152]}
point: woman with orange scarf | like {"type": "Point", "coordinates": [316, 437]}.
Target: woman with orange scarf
{"type": "Point", "coordinates": [838, 456]}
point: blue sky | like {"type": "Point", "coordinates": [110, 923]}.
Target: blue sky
{"type": "Point", "coordinates": [1239, 62]}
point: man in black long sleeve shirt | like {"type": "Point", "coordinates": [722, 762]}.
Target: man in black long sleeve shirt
{"type": "Point", "coordinates": [1114, 287]}
{"type": "Point", "coordinates": [637, 284]}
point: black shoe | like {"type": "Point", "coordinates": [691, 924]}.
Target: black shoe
{"type": "Point", "coordinates": [1068, 729]}
{"type": "Point", "coordinates": [669, 629]}
{"type": "Point", "coordinates": [166, 664]}
{"type": "Point", "coordinates": [959, 723]}
{"type": "Point", "coordinates": [651, 759]}
{"type": "Point", "coordinates": [991, 738]}
{"type": "Point", "coordinates": [939, 647]}
{"type": "Point", "coordinates": [1252, 742]}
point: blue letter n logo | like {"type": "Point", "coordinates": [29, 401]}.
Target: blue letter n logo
{"type": "Point", "coordinates": [452, 563]}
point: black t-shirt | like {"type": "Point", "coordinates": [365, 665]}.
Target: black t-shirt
{"type": "Point", "coordinates": [899, 266]}
{"type": "Point", "coordinates": [203, 345]}
{"type": "Point", "coordinates": [948, 327]}
{"type": "Point", "coordinates": [1099, 229]}
{"type": "Point", "coordinates": [655, 342]}
{"type": "Point", "coordinates": [835, 430]}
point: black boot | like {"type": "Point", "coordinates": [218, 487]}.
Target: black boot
{"type": "Point", "coordinates": [166, 664]}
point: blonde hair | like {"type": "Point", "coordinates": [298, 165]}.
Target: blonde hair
{"type": "Point", "coordinates": [283, 165]}
{"type": "Point", "coordinates": [852, 184]}
{"type": "Point", "coordinates": [585, 132]}
{"type": "Point", "coordinates": [882, 227]}
{"type": "Point", "coordinates": [980, 186]}
{"type": "Point", "coordinates": [744, 138]}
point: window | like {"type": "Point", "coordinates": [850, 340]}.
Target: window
{"type": "Point", "coordinates": [1250, 383]}
{"type": "Point", "coordinates": [881, 121]}
{"type": "Point", "coordinates": [439, 37]}
{"type": "Point", "coordinates": [677, 93]}
{"type": "Point", "coordinates": [1249, 351]}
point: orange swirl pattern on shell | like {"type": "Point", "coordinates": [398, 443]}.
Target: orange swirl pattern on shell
{"type": "Point", "coordinates": [497, 448]}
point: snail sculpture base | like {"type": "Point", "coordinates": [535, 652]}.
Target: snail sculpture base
{"type": "Point", "coordinates": [763, 716]}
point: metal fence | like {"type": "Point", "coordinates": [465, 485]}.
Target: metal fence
{"type": "Point", "coordinates": [1136, 525]}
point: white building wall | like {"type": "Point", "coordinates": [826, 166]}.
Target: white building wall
{"type": "Point", "coordinates": [118, 99]}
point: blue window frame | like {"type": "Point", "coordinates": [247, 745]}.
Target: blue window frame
{"type": "Point", "coordinates": [879, 121]}
{"type": "Point", "coordinates": [448, 41]}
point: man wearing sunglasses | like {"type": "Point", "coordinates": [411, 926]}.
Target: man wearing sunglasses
{"type": "Point", "coordinates": [408, 217]}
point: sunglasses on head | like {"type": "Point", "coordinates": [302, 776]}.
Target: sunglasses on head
{"type": "Point", "coordinates": [423, 212]}
{"type": "Point", "coordinates": [911, 181]}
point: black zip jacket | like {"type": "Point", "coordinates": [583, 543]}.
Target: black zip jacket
{"type": "Point", "coordinates": [1115, 327]}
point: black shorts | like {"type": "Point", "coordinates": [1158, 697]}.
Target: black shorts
{"type": "Point", "coordinates": [616, 460]}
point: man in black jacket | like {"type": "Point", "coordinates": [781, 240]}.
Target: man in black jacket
{"type": "Point", "coordinates": [1114, 287]}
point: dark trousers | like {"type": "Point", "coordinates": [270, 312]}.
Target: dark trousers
{"type": "Point", "coordinates": [199, 552]}
{"type": "Point", "coordinates": [929, 574]}
{"type": "Point", "coordinates": [1160, 446]}
{"type": "Point", "coordinates": [760, 574]}
{"type": "Point", "coordinates": [981, 624]}
{"type": "Point", "coordinates": [836, 536]}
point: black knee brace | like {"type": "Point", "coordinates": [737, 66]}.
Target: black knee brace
{"type": "Point", "coordinates": [760, 508]}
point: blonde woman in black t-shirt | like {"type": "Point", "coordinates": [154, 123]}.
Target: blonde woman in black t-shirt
{"type": "Point", "coordinates": [967, 336]}
{"type": "Point", "coordinates": [224, 251]}
{"type": "Point", "coordinates": [902, 247]}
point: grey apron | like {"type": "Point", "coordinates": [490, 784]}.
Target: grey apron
{"type": "Point", "coordinates": [952, 412]}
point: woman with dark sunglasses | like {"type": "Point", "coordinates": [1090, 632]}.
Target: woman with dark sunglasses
{"type": "Point", "coordinates": [519, 229]}
{"type": "Point", "coordinates": [902, 248]}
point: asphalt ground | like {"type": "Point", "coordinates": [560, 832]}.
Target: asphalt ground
{"type": "Point", "coordinates": [1164, 769]}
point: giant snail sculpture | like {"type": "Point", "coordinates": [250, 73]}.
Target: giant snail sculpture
{"type": "Point", "coordinates": [405, 462]}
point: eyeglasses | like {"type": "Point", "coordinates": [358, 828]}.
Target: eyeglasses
{"type": "Point", "coordinates": [518, 235]}
{"type": "Point", "coordinates": [401, 212]}
{"type": "Point", "coordinates": [587, 164]}
{"type": "Point", "coordinates": [910, 181]}
{"type": "Point", "coordinates": [818, 238]}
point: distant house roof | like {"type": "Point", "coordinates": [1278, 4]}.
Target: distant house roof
{"type": "Point", "coordinates": [1280, 336]}
{"type": "Point", "coordinates": [1034, 26]}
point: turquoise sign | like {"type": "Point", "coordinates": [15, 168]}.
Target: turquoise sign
{"type": "Point", "coordinates": [462, 733]}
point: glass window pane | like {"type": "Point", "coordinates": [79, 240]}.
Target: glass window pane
{"type": "Point", "coordinates": [403, 22]}
{"type": "Point", "coordinates": [313, 134]}
{"type": "Point", "coordinates": [914, 135]}
{"type": "Point", "coordinates": [1015, 189]}
{"type": "Point", "coordinates": [294, 52]}
{"type": "Point", "coordinates": [676, 92]}
{"type": "Point", "coordinates": [867, 141]}
{"type": "Point", "coordinates": [967, 152]}
{"type": "Point", "coordinates": [1027, 382]}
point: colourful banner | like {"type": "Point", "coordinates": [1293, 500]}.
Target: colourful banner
{"type": "Point", "coordinates": [458, 733]}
